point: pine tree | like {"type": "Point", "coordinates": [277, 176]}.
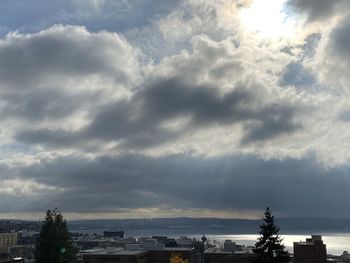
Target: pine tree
{"type": "Point", "coordinates": [54, 243]}
{"type": "Point", "coordinates": [269, 247]}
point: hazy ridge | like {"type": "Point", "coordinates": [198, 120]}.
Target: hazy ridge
{"type": "Point", "coordinates": [231, 225]}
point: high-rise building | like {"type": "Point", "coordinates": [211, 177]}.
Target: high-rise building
{"type": "Point", "coordinates": [313, 250]}
{"type": "Point", "coordinates": [8, 239]}
{"type": "Point", "coordinates": [229, 246]}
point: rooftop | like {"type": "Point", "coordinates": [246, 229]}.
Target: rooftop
{"type": "Point", "coordinates": [215, 250]}
{"type": "Point", "coordinates": [122, 251]}
{"type": "Point", "coordinates": [116, 251]}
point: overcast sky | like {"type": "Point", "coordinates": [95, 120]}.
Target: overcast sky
{"type": "Point", "coordinates": [161, 108]}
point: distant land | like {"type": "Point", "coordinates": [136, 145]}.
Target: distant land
{"type": "Point", "coordinates": [215, 225]}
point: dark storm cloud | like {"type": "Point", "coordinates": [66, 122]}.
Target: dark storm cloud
{"type": "Point", "coordinates": [272, 122]}
{"type": "Point", "coordinates": [290, 186]}
{"type": "Point", "coordinates": [138, 122]}
{"type": "Point", "coordinates": [316, 9]}
{"type": "Point", "coordinates": [38, 105]}
{"type": "Point", "coordinates": [339, 40]}
{"type": "Point", "coordinates": [168, 99]}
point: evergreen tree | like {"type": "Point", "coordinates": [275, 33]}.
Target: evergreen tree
{"type": "Point", "coordinates": [269, 247]}
{"type": "Point", "coordinates": [54, 243]}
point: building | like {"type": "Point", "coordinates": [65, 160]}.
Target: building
{"type": "Point", "coordinates": [151, 244]}
{"type": "Point", "coordinates": [114, 234]}
{"type": "Point", "coordinates": [215, 255]}
{"type": "Point", "coordinates": [168, 242]}
{"type": "Point", "coordinates": [125, 241]}
{"type": "Point", "coordinates": [12, 260]}
{"type": "Point", "coordinates": [22, 251]}
{"type": "Point", "coordinates": [345, 256]}
{"type": "Point", "coordinates": [229, 246]}
{"type": "Point", "coordinates": [26, 237]}
{"type": "Point", "coordinates": [114, 256]}
{"type": "Point", "coordinates": [164, 255]}
{"type": "Point", "coordinates": [8, 239]}
{"type": "Point", "coordinates": [184, 242]}
{"type": "Point", "coordinates": [7, 226]}
{"type": "Point", "coordinates": [310, 251]}
{"type": "Point", "coordinates": [87, 244]}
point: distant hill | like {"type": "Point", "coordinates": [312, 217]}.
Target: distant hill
{"type": "Point", "coordinates": [293, 225]}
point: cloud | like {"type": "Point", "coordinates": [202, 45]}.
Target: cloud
{"type": "Point", "coordinates": [295, 72]}
{"type": "Point", "coordinates": [229, 183]}
{"type": "Point", "coordinates": [171, 99]}
{"type": "Point", "coordinates": [64, 51]}
{"type": "Point", "coordinates": [316, 9]}
{"type": "Point", "coordinates": [339, 40]}
{"type": "Point", "coordinates": [330, 62]}
{"type": "Point", "coordinates": [57, 73]}
{"type": "Point", "coordinates": [178, 104]}
{"type": "Point", "coordinates": [161, 105]}
{"type": "Point", "coordinates": [345, 116]}
{"type": "Point", "coordinates": [334, 56]}
{"type": "Point", "coordinates": [139, 122]}
{"type": "Point", "coordinates": [204, 87]}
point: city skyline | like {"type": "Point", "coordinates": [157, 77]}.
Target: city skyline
{"type": "Point", "coordinates": [171, 108]}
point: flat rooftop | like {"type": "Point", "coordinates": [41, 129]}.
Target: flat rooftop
{"type": "Point", "coordinates": [117, 252]}
{"type": "Point", "coordinates": [215, 250]}
{"type": "Point", "coordinates": [125, 252]}
{"type": "Point", "coordinates": [179, 249]}
{"type": "Point", "coordinates": [303, 243]}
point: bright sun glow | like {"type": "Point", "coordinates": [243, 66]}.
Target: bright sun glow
{"type": "Point", "coordinates": [268, 19]}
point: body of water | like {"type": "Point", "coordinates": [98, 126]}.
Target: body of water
{"type": "Point", "coordinates": [336, 242]}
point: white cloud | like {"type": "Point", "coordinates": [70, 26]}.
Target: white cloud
{"type": "Point", "coordinates": [58, 77]}
{"type": "Point", "coordinates": [25, 188]}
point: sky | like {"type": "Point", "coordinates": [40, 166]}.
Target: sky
{"type": "Point", "coordinates": [170, 108]}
